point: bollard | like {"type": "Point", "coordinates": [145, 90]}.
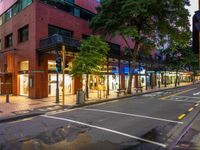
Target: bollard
{"type": "Point", "coordinates": [7, 98]}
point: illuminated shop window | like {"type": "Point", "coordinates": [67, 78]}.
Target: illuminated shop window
{"type": "Point", "coordinates": [24, 65]}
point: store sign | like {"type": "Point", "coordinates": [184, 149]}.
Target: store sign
{"type": "Point", "coordinates": [136, 70]}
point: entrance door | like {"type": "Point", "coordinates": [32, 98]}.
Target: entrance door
{"type": "Point", "coordinates": [24, 88]}
{"type": "Point", "coordinates": [52, 84]}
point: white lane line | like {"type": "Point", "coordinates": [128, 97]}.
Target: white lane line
{"type": "Point", "coordinates": [132, 115]}
{"type": "Point", "coordinates": [188, 97]}
{"type": "Point", "coordinates": [106, 129]}
{"type": "Point", "coordinates": [187, 101]}
{"type": "Point", "coordinates": [198, 93]}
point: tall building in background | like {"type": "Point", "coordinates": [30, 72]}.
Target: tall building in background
{"type": "Point", "coordinates": [196, 33]}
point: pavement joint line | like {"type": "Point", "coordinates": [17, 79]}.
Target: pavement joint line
{"type": "Point", "coordinates": [133, 115]}
{"type": "Point", "coordinates": [108, 130]}
{"type": "Point", "coordinates": [181, 116]}
{"type": "Point", "coordinates": [172, 95]}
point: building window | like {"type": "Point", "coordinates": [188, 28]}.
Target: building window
{"type": "Point", "coordinates": [8, 15]}
{"type": "Point", "coordinates": [77, 12]}
{"type": "Point", "coordinates": [24, 3]}
{"type": "Point", "coordinates": [14, 9]}
{"type": "Point", "coordinates": [1, 20]}
{"type": "Point", "coordinates": [69, 7]}
{"type": "Point", "coordinates": [56, 30]}
{"type": "Point", "coordinates": [9, 40]}
{"type": "Point", "coordinates": [24, 65]}
{"type": "Point", "coordinates": [84, 36]}
{"type": "Point", "coordinates": [69, 1]}
{"type": "Point", "coordinates": [23, 34]}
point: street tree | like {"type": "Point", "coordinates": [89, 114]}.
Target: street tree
{"type": "Point", "coordinates": [181, 59]}
{"type": "Point", "coordinates": [145, 22]}
{"type": "Point", "coordinates": [90, 59]}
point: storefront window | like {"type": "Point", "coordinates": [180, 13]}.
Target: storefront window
{"type": "Point", "coordinates": [24, 78]}
{"type": "Point", "coordinates": [51, 65]}
{"type": "Point", "coordinates": [24, 65]}
{"type": "Point", "coordinates": [24, 88]}
{"type": "Point", "coordinates": [52, 80]}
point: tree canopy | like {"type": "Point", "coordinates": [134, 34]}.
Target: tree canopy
{"type": "Point", "coordinates": [92, 55]}
{"type": "Point", "coordinates": [154, 22]}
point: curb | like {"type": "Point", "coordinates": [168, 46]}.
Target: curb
{"type": "Point", "coordinates": [19, 117]}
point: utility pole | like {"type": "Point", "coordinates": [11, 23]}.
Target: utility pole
{"type": "Point", "coordinates": [63, 73]}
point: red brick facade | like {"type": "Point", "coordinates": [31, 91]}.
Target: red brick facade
{"type": "Point", "coordinates": [38, 16]}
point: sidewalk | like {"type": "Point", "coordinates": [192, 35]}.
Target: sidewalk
{"type": "Point", "coordinates": [21, 105]}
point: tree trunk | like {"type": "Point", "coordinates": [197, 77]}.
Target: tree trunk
{"type": "Point", "coordinates": [132, 66]}
{"type": "Point", "coordinates": [108, 88]}
{"type": "Point", "coordinates": [176, 80]}
{"type": "Point", "coordinates": [86, 90]}
{"type": "Point", "coordinates": [130, 79]}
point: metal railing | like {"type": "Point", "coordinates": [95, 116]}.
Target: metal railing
{"type": "Point", "coordinates": [57, 39]}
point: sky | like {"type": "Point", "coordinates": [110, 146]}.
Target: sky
{"type": "Point", "coordinates": [194, 7]}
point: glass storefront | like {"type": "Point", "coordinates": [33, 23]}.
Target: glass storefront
{"type": "Point", "coordinates": [24, 78]}
{"type": "Point", "coordinates": [114, 82]}
{"type": "Point", "coordinates": [52, 80]}
{"type": "Point", "coordinates": [24, 86]}
{"type": "Point", "coordinates": [52, 84]}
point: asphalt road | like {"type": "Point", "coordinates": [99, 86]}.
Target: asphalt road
{"type": "Point", "coordinates": [152, 121]}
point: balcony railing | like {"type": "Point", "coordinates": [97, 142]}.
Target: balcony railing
{"type": "Point", "coordinates": [56, 40]}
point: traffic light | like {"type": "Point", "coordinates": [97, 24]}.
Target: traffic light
{"type": "Point", "coordinates": [66, 64]}
{"type": "Point", "coordinates": [58, 64]}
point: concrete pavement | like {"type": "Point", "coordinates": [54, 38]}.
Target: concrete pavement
{"type": "Point", "coordinates": [20, 105]}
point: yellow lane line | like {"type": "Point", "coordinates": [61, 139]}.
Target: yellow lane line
{"type": "Point", "coordinates": [165, 97]}
{"type": "Point", "coordinates": [21, 120]}
{"type": "Point", "coordinates": [190, 109]}
{"type": "Point", "coordinates": [181, 116]}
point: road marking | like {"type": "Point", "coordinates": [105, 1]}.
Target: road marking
{"type": "Point", "coordinates": [190, 109]}
{"type": "Point", "coordinates": [188, 101]}
{"type": "Point", "coordinates": [196, 105]}
{"type": "Point", "coordinates": [196, 93]}
{"type": "Point", "coordinates": [187, 97]}
{"type": "Point", "coordinates": [21, 120]}
{"type": "Point", "coordinates": [133, 115]}
{"type": "Point", "coordinates": [108, 130]}
{"type": "Point", "coordinates": [181, 116]}
{"type": "Point", "coordinates": [172, 95]}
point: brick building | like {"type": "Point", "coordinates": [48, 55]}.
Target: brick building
{"type": "Point", "coordinates": [31, 31]}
